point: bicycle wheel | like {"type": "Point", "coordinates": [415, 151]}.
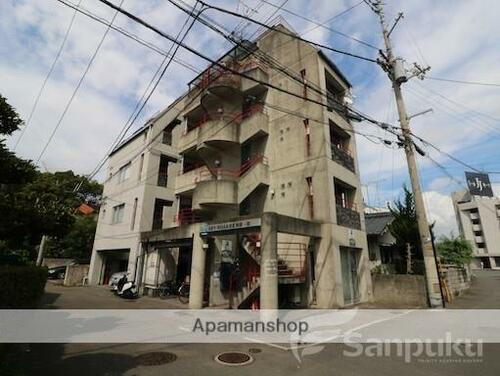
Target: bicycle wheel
{"type": "Point", "coordinates": [164, 293]}
{"type": "Point", "coordinates": [184, 294]}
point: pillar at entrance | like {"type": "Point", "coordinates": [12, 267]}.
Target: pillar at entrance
{"type": "Point", "coordinates": [197, 281]}
{"type": "Point", "coordinates": [269, 262]}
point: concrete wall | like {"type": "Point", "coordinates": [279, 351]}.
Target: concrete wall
{"type": "Point", "coordinates": [53, 262]}
{"type": "Point", "coordinates": [457, 278]}
{"type": "Point", "coordinates": [399, 291]}
{"type": "Point", "coordinates": [75, 275]}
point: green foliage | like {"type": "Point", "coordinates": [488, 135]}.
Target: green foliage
{"type": "Point", "coordinates": [383, 269]}
{"type": "Point", "coordinates": [454, 250]}
{"type": "Point", "coordinates": [404, 227]}
{"type": "Point", "coordinates": [9, 118]}
{"type": "Point", "coordinates": [22, 286]}
{"type": "Point", "coordinates": [77, 243]}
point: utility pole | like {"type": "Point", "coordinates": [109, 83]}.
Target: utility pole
{"type": "Point", "coordinates": [41, 250]}
{"type": "Point", "coordinates": [397, 74]}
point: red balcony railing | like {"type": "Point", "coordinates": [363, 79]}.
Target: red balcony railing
{"type": "Point", "coordinates": [187, 216]}
{"type": "Point", "coordinates": [236, 117]}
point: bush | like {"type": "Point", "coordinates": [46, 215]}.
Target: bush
{"type": "Point", "coordinates": [21, 286]}
{"type": "Point", "coordinates": [454, 250]}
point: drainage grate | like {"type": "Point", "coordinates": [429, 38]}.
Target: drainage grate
{"type": "Point", "coordinates": [234, 358]}
{"type": "Point", "coordinates": [155, 358]}
{"type": "Point", "coordinates": [254, 350]}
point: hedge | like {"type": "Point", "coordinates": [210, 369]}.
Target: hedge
{"type": "Point", "coordinates": [21, 286]}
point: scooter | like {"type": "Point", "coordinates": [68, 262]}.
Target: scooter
{"type": "Point", "coordinates": [126, 289]}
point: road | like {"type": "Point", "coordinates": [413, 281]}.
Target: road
{"type": "Point", "coordinates": [329, 359]}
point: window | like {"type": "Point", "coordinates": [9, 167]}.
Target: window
{"type": "Point", "coordinates": [334, 94]}
{"type": "Point", "coordinates": [167, 137]}
{"type": "Point", "coordinates": [310, 196]}
{"type": "Point", "coordinates": [118, 211]}
{"type": "Point", "coordinates": [124, 173]}
{"type": "Point", "coordinates": [134, 212]}
{"type": "Point", "coordinates": [141, 165]}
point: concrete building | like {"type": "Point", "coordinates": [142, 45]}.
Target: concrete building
{"type": "Point", "coordinates": [251, 194]}
{"type": "Point", "coordinates": [380, 241]}
{"type": "Point", "coordinates": [478, 220]}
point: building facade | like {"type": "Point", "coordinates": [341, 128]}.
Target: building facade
{"type": "Point", "coordinates": [478, 220]}
{"type": "Point", "coordinates": [249, 193]}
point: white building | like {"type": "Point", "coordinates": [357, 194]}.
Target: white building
{"type": "Point", "coordinates": [478, 221]}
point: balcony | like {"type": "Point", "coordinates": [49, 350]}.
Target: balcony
{"type": "Point", "coordinates": [477, 228]}
{"type": "Point", "coordinates": [187, 217]}
{"type": "Point", "coordinates": [343, 158]}
{"type": "Point", "coordinates": [219, 128]}
{"type": "Point", "coordinates": [214, 192]}
{"type": "Point", "coordinates": [256, 70]}
{"type": "Point", "coordinates": [479, 239]}
{"type": "Point", "coordinates": [255, 123]}
{"type": "Point", "coordinates": [348, 217]}
{"type": "Point", "coordinates": [186, 181]}
{"type": "Point", "coordinates": [474, 215]}
{"type": "Point", "coordinates": [253, 173]}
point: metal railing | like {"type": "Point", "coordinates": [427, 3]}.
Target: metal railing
{"type": "Point", "coordinates": [187, 216]}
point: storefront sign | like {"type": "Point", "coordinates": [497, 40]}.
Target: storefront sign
{"type": "Point", "coordinates": [228, 226]}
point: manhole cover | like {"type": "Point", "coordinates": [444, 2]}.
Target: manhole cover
{"type": "Point", "coordinates": [155, 358]}
{"type": "Point", "coordinates": [254, 350]}
{"type": "Point", "coordinates": [234, 358]}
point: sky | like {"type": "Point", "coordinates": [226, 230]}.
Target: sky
{"type": "Point", "coordinates": [458, 39]}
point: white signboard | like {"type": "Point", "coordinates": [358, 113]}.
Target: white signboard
{"type": "Point", "coordinates": [236, 225]}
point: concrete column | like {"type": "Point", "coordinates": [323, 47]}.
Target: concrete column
{"type": "Point", "coordinates": [269, 262]}
{"type": "Point", "coordinates": [197, 278]}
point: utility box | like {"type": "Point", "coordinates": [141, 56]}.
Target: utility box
{"type": "Point", "coordinates": [399, 71]}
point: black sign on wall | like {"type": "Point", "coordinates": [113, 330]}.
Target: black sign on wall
{"type": "Point", "coordinates": [479, 184]}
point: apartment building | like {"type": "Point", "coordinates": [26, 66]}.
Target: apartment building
{"type": "Point", "coordinates": [478, 219]}
{"type": "Point", "coordinates": [249, 193]}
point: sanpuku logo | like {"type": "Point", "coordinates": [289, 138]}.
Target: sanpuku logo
{"type": "Point", "coordinates": [445, 350]}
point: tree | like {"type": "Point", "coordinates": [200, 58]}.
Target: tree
{"type": "Point", "coordinates": [77, 243]}
{"type": "Point", "coordinates": [9, 118]}
{"type": "Point", "coordinates": [454, 250]}
{"type": "Point", "coordinates": [404, 227]}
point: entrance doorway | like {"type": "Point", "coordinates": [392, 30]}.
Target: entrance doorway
{"type": "Point", "coordinates": [349, 258]}
{"type": "Point", "coordinates": [184, 264]}
{"type": "Point", "coordinates": [113, 262]}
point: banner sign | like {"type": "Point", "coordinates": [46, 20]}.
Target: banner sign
{"type": "Point", "coordinates": [228, 226]}
{"type": "Point", "coordinates": [479, 184]}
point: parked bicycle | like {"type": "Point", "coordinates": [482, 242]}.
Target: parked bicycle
{"type": "Point", "coordinates": [171, 288]}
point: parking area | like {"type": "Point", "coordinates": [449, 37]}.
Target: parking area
{"type": "Point", "coordinates": [61, 297]}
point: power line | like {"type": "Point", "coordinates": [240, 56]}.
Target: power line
{"type": "Point", "coordinates": [49, 73]}
{"type": "Point", "coordinates": [464, 82]}
{"type": "Point", "coordinates": [139, 107]}
{"type": "Point", "coordinates": [217, 63]}
{"type": "Point", "coordinates": [129, 35]}
{"type": "Point", "coordinates": [326, 27]}
{"type": "Point", "coordinates": [276, 10]}
{"type": "Point", "coordinates": [222, 10]}
{"type": "Point", "coordinates": [77, 87]}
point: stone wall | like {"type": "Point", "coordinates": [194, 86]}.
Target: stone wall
{"type": "Point", "coordinates": [399, 291]}
{"type": "Point", "coordinates": [75, 274]}
{"type": "Point", "coordinates": [457, 278]}
{"type": "Point", "coordinates": [52, 262]}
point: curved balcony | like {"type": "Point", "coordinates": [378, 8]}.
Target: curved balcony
{"type": "Point", "coordinates": [214, 192]}
{"type": "Point", "coordinates": [219, 128]}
